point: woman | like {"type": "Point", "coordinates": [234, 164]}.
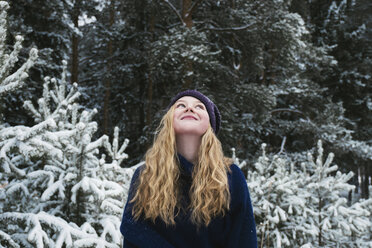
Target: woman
{"type": "Point", "coordinates": [188, 194]}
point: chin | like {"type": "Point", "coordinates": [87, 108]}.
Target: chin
{"type": "Point", "coordinates": [190, 131]}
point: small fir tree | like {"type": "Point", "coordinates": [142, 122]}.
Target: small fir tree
{"type": "Point", "coordinates": [59, 192]}
{"type": "Point", "coordinates": [304, 207]}
{"type": "Point", "coordinates": [55, 190]}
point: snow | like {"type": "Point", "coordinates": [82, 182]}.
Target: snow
{"type": "Point", "coordinates": [84, 19]}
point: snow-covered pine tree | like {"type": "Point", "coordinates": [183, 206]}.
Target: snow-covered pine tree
{"type": "Point", "coordinates": [334, 222]}
{"type": "Point", "coordinates": [54, 189]}
{"type": "Point", "coordinates": [304, 207]}
{"type": "Point", "coordinates": [11, 81]}
{"type": "Point", "coordinates": [273, 188]}
{"type": "Point", "coordinates": [59, 192]}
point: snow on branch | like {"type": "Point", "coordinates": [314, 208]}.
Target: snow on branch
{"type": "Point", "coordinates": [289, 110]}
{"type": "Point", "coordinates": [94, 242]}
{"type": "Point", "coordinates": [6, 237]}
{"type": "Point", "coordinates": [9, 83]}
{"type": "Point", "coordinates": [44, 226]}
{"type": "Point", "coordinates": [110, 229]}
{"type": "Point", "coordinates": [52, 188]}
{"type": "Point", "coordinates": [12, 57]}
{"type": "Point", "coordinates": [228, 29]}
{"type": "Point", "coordinates": [14, 188]}
{"type": "Point", "coordinates": [114, 151]}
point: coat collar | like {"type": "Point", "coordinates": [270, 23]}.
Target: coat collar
{"type": "Point", "coordinates": [186, 166]}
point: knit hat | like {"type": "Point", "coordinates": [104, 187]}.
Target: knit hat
{"type": "Point", "coordinates": [213, 112]}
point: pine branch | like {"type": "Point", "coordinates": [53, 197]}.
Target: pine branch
{"type": "Point", "coordinates": [282, 146]}
{"type": "Point", "coordinates": [175, 11]}
{"type": "Point", "coordinates": [289, 110]}
{"type": "Point", "coordinates": [236, 38]}
{"type": "Point", "coordinates": [229, 29]}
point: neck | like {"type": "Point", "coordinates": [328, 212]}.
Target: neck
{"type": "Point", "coordinates": [188, 147]}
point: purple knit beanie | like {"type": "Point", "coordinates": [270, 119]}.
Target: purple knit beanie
{"type": "Point", "coordinates": [213, 112]}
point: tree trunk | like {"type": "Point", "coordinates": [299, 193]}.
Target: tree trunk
{"type": "Point", "coordinates": [320, 220]}
{"type": "Point", "coordinates": [149, 100]}
{"type": "Point", "coordinates": [187, 19]}
{"type": "Point", "coordinates": [150, 91]}
{"type": "Point", "coordinates": [365, 181]}
{"type": "Point", "coordinates": [106, 105]}
{"type": "Point", "coordinates": [186, 15]}
{"type": "Point", "coordinates": [80, 207]}
{"type": "Point", "coordinates": [369, 179]}
{"type": "Point", "coordinates": [75, 43]}
{"type": "Point", "coordinates": [143, 74]}
{"type": "Point", "coordinates": [236, 62]}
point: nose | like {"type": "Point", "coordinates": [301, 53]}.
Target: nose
{"type": "Point", "coordinates": [189, 108]}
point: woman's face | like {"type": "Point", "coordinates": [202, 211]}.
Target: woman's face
{"type": "Point", "coordinates": [190, 116]}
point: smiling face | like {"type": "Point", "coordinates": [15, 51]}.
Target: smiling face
{"type": "Point", "coordinates": [190, 116]}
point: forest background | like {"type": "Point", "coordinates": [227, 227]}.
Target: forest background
{"type": "Point", "coordinates": [283, 73]}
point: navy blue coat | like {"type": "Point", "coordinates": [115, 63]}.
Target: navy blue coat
{"type": "Point", "coordinates": [236, 229]}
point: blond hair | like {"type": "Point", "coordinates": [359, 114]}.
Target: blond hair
{"type": "Point", "coordinates": [158, 189]}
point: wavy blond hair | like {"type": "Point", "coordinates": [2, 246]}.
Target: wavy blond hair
{"type": "Point", "coordinates": [158, 189]}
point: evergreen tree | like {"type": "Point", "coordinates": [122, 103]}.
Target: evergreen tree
{"type": "Point", "coordinates": [304, 206]}
{"type": "Point", "coordinates": [10, 77]}
{"type": "Point", "coordinates": [207, 46]}
{"type": "Point", "coordinates": [43, 25]}
{"type": "Point", "coordinates": [60, 191]}
{"type": "Point", "coordinates": [342, 26]}
{"type": "Point", "coordinates": [256, 59]}
{"type": "Point", "coordinates": [55, 190]}
{"type": "Point", "coordinates": [53, 28]}
{"type": "Point", "coordinates": [116, 86]}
